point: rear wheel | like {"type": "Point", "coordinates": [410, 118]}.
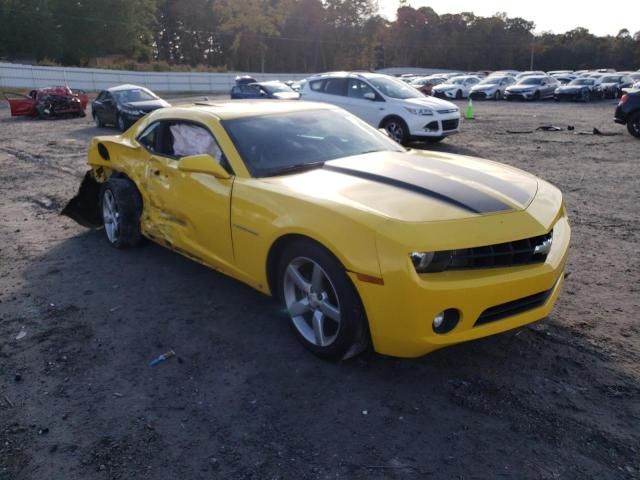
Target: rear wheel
{"type": "Point", "coordinates": [121, 207]}
{"type": "Point", "coordinates": [397, 130]}
{"type": "Point", "coordinates": [633, 125]}
{"type": "Point", "coordinates": [323, 306]}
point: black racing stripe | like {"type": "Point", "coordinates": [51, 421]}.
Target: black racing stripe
{"type": "Point", "coordinates": [443, 189]}
{"type": "Point", "coordinates": [507, 189]}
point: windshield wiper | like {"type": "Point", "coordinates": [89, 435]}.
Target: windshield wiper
{"type": "Point", "coordinates": [298, 167]}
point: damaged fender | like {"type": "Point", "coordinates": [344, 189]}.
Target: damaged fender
{"type": "Point", "coordinates": [84, 208]}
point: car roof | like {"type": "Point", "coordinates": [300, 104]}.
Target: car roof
{"type": "Point", "coordinates": [126, 86]}
{"type": "Point", "coordinates": [230, 109]}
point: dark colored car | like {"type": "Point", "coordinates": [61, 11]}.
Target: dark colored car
{"type": "Point", "coordinates": [612, 85]}
{"type": "Point", "coordinates": [124, 105]}
{"type": "Point", "coordinates": [274, 90]}
{"type": "Point", "coordinates": [48, 102]}
{"type": "Point", "coordinates": [628, 112]}
{"type": "Point", "coordinates": [580, 89]}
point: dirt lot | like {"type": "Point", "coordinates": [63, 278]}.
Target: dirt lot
{"type": "Point", "coordinates": [78, 399]}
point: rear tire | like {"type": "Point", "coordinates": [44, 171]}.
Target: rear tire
{"type": "Point", "coordinates": [323, 306]}
{"type": "Point", "coordinates": [633, 125]}
{"type": "Point", "coordinates": [121, 207]}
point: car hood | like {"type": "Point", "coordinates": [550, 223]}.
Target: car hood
{"type": "Point", "coordinates": [571, 88]}
{"type": "Point", "coordinates": [521, 88]}
{"type": "Point", "coordinates": [432, 102]}
{"type": "Point", "coordinates": [286, 95]}
{"type": "Point", "coordinates": [484, 86]}
{"type": "Point", "coordinates": [446, 86]}
{"type": "Point", "coordinates": [414, 186]}
{"type": "Point", "coordinates": [148, 105]}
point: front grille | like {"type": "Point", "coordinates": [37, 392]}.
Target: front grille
{"type": "Point", "coordinates": [448, 110]}
{"type": "Point", "coordinates": [515, 307]}
{"type": "Point", "coordinates": [450, 124]}
{"type": "Point", "coordinates": [520, 252]}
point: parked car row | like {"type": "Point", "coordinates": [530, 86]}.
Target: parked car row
{"type": "Point", "coordinates": [511, 84]}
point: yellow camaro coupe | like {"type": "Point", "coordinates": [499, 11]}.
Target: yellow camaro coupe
{"type": "Point", "coordinates": [364, 242]}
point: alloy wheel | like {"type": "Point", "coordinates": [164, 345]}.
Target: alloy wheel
{"type": "Point", "coordinates": [110, 216]}
{"type": "Point", "coordinates": [312, 301]}
{"type": "Point", "coordinates": [395, 130]}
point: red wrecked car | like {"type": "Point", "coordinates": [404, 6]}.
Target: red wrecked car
{"type": "Point", "coordinates": [48, 102]}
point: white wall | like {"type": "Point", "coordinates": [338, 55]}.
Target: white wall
{"type": "Point", "coordinates": [94, 79]}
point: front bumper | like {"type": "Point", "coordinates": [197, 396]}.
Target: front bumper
{"type": "Point", "coordinates": [435, 126]}
{"type": "Point", "coordinates": [445, 93]}
{"type": "Point", "coordinates": [481, 95]}
{"type": "Point", "coordinates": [520, 95]}
{"type": "Point", "coordinates": [400, 312]}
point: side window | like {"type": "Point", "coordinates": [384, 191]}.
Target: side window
{"type": "Point", "coordinates": [101, 96]}
{"type": "Point", "coordinates": [316, 85]}
{"type": "Point", "coordinates": [335, 86]}
{"type": "Point", "coordinates": [250, 89]}
{"type": "Point", "coordinates": [149, 137]}
{"type": "Point", "coordinates": [357, 88]}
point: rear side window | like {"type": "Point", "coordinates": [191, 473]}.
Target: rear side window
{"type": "Point", "coordinates": [335, 86]}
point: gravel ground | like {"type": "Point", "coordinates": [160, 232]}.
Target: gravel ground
{"type": "Point", "coordinates": [242, 399]}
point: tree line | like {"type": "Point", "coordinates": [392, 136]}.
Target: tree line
{"type": "Point", "coordinates": [293, 36]}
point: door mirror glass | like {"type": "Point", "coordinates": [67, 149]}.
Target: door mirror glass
{"type": "Point", "coordinates": [369, 96]}
{"type": "Point", "coordinates": [203, 163]}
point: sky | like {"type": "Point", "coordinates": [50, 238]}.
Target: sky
{"type": "Point", "coordinates": [557, 16]}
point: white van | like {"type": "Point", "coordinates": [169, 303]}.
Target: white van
{"type": "Point", "coordinates": [386, 102]}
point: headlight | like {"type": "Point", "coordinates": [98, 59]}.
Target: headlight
{"type": "Point", "coordinates": [425, 112]}
{"type": "Point", "coordinates": [430, 262]}
{"type": "Point", "coordinates": [132, 111]}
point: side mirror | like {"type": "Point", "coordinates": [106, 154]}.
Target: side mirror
{"type": "Point", "coordinates": [369, 96]}
{"type": "Point", "coordinates": [203, 163]}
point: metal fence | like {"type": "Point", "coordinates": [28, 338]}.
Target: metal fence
{"type": "Point", "coordinates": [94, 79]}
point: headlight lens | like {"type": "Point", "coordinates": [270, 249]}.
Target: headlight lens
{"type": "Point", "coordinates": [430, 262]}
{"type": "Point", "coordinates": [425, 112]}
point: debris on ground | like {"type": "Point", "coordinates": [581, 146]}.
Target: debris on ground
{"type": "Point", "coordinates": [162, 358]}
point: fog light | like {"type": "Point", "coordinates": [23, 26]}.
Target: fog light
{"type": "Point", "coordinates": [446, 321]}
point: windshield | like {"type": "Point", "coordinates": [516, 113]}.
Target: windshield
{"type": "Point", "coordinates": [610, 79]}
{"type": "Point", "coordinates": [582, 81]}
{"type": "Point", "coordinates": [134, 95]}
{"type": "Point", "coordinates": [456, 80]}
{"type": "Point", "coordinates": [531, 81]}
{"type": "Point", "coordinates": [276, 87]}
{"type": "Point", "coordinates": [304, 140]}
{"type": "Point", "coordinates": [393, 88]}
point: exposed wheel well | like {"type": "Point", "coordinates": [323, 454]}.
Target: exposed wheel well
{"type": "Point", "coordinates": [389, 117]}
{"type": "Point", "coordinates": [275, 252]}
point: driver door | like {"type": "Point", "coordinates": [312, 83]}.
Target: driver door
{"type": "Point", "coordinates": [190, 212]}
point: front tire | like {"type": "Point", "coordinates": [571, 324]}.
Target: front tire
{"type": "Point", "coordinates": [497, 95]}
{"type": "Point", "coordinates": [121, 207]}
{"type": "Point", "coordinates": [121, 123]}
{"type": "Point", "coordinates": [97, 120]}
{"type": "Point", "coordinates": [322, 304]}
{"type": "Point", "coordinates": [459, 95]}
{"type": "Point", "coordinates": [397, 130]}
{"type": "Point", "coordinates": [633, 125]}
